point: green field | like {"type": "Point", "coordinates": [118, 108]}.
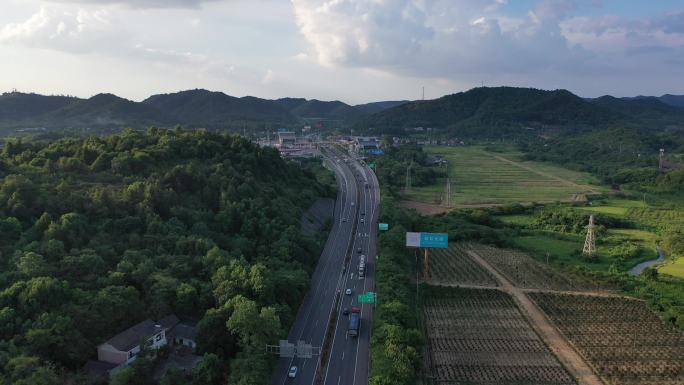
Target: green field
{"type": "Point", "coordinates": [674, 268]}
{"type": "Point", "coordinates": [483, 178]}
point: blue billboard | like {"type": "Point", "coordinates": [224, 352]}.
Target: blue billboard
{"type": "Point", "coordinates": [376, 152]}
{"type": "Point", "coordinates": [427, 240]}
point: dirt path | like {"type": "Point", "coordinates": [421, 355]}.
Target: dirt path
{"type": "Point", "coordinates": [566, 182]}
{"type": "Point", "coordinates": [572, 361]}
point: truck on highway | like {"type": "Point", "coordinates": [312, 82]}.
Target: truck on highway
{"type": "Point", "coordinates": [362, 266]}
{"type": "Point", "coordinates": [354, 323]}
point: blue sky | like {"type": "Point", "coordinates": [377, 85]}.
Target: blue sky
{"type": "Point", "coordinates": [351, 50]}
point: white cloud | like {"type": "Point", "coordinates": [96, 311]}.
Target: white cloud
{"type": "Point", "coordinates": [80, 31]}
{"type": "Point", "coordinates": [142, 3]}
{"type": "Point", "coordinates": [268, 78]}
{"type": "Point", "coordinates": [458, 39]}
{"type": "Point", "coordinates": [437, 38]}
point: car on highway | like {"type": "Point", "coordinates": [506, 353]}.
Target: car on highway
{"type": "Point", "coordinates": [359, 250]}
{"type": "Point", "coordinates": [348, 292]}
{"type": "Point", "coordinates": [345, 311]}
{"type": "Point", "coordinates": [356, 309]}
{"type": "Point", "coordinates": [344, 219]}
{"type": "Point", "coordinates": [293, 372]}
{"type": "Point", "coordinates": [361, 220]}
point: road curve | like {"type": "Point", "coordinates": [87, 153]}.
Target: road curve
{"type": "Point", "coordinates": [355, 208]}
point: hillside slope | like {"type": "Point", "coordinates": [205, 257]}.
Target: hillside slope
{"type": "Point", "coordinates": [202, 108]}
{"type": "Point", "coordinates": [487, 112]}
{"type": "Point", "coordinates": [482, 109]}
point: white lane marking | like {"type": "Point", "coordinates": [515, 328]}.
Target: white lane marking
{"type": "Point", "coordinates": [339, 378]}
{"type": "Point", "coordinates": [337, 323]}
{"type": "Point", "coordinates": [356, 361]}
{"type": "Point", "coordinates": [343, 197]}
{"type": "Point", "coordinates": [343, 355]}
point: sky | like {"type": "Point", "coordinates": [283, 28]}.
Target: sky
{"type": "Point", "coordinates": [356, 51]}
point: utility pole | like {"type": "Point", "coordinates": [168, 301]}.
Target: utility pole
{"type": "Point", "coordinates": [662, 158]}
{"type": "Point", "coordinates": [423, 93]}
{"type": "Point", "coordinates": [447, 190]}
{"type": "Point", "coordinates": [407, 188]}
{"type": "Point", "coordinates": [590, 241]}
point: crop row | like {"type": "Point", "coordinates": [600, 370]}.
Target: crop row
{"type": "Point", "coordinates": [525, 272]}
{"type": "Point", "coordinates": [455, 266]}
{"type": "Point", "coordinates": [620, 337]}
{"type": "Point", "coordinates": [478, 336]}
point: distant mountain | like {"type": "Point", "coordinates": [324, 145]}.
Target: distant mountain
{"type": "Point", "coordinates": [669, 99]}
{"type": "Point", "coordinates": [16, 106]}
{"type": "Point", "coordinates": [673, 100]}
{"type": "Point", "coordinates": [202, 108]}
{"type": "Point", "coordinates": [103, 110]}
{"type": "Point", "coordinates": [647, 111]}
{"type": "Point", "coordinates": [194, 108]}
{"type": "Point", "coordinates": [375, 107]}
{"type": "Point", "coordinates": [313, 109]}
{"type": "Point", "coordinates": [487, 111]}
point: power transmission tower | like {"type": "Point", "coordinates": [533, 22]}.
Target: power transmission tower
{"type": "Point", "coordinates": [407, 188]}
{"type": "Point", "coordinates": [662, 158]}
{"type": "Point", "coordinates": [590, 241]}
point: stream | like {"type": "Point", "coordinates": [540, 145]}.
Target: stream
{"type": "Point", "coordinates": [636, 270]}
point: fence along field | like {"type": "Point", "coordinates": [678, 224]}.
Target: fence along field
{"type": "Point", "coordinates": [455, 266]}
{"type": "Point", "coordinates": [625, 342]}
{"type": "Point", "coordinates": [479, 337]}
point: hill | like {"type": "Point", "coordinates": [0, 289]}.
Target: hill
{"type": "Point", "coordinates": [103, 110]}
{"type": "Point", "coordinates": [202, 108]}
{"type": "Point", "coordinates": [490, 111]}
{"type": "Point", "coordinates": [319, 110]}
{"type": "Point", "coordinates": [669, 99]}
{"type": "Point", "coordinates": [17, 106]}
{"type": "Point", "coordinates": [648, 111]}
{"type": "Point", "coordinates": [375, 107]}
{"type": "Point", "coordinates": [673, 100]}
{"type": "Point", "coordinates": [110, 231]}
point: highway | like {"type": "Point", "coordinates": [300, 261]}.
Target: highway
{"type": "Point", "coordinates": [354, 227]}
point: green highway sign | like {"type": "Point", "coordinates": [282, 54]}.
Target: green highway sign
{"type": "Point", "coordinates": [383, 226]}
{"type": "Point", "coordinates": [367, 297]}
{"type": "Point", "coordinates": [371, 165]}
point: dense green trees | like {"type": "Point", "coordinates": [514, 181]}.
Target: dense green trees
{"type": "Point", "coordinates": [97, 234]}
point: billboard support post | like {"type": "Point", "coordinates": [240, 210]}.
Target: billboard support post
{"type": "Point", "coordinates": [427, 241]}
{"type": "Point", "coordinates": [426, 263]}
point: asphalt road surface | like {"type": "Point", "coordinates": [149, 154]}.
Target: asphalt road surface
{"type": "Point", "coordinates": [356, 209]}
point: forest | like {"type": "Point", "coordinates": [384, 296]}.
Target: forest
{"type": "Point", "coordinates": [99, 233]}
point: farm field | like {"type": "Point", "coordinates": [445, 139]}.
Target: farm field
{"type": "Point", "coordinates": [484, 178]}
{"type": "Point", "coordinates": [525, 272]}
{"type": "Point", "coordinates": [625, 342]}
{"type": "Point", "coordinates": [478, 336]}
{"type": "Point", "coordinates": [455, 266]}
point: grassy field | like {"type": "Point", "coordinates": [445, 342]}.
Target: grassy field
{"type": "Point", "coordinates": [674, 268]}
{"type": "Point", "coordinates": [481, 178]}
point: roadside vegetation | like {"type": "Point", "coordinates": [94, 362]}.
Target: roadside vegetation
{"type": "Point", "coordinates": [98, 234]}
